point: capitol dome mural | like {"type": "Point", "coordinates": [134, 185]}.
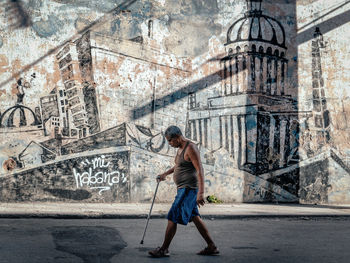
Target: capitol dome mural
{"type": "Point", "coordinates": [255, 26]}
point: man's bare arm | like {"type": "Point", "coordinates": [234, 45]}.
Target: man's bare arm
{"type": "Point", "coordinates": [194, 155]}
{"type": "Point", "coordinates": [163, 176]}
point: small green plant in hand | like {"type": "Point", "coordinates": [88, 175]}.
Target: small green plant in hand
{"type": "Point", "coordinates": [213, 199]}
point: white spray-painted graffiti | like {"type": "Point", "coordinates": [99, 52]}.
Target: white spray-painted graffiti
{"type": "Point", "coordinates": [98, 175]}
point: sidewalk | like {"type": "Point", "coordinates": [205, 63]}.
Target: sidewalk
{"type": "Point", "coordinates": [141, 210]}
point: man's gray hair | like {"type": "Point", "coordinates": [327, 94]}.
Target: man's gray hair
{"type": "Point", "coordinates": [172, 131]}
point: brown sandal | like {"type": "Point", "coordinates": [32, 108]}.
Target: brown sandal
{"type": "Point", "coordinates": [159, 253]}
{"type": "Point", "coordinates": [208, 251]}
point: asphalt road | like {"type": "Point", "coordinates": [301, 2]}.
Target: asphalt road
{"type": "Point", "coordinates": [118, 240]}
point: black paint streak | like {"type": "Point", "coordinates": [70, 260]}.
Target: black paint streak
{"type": "Point", "coordinates": [340, 162]}
{"type": "Point", "coordinates": [69, 194]}
{"type": "Point", "coordinates": [90, 243]}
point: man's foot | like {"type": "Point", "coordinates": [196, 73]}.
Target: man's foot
{"type": "Point", "coordinates": [159, 253]}
{"type": "Point", "coordinates": [209, 250]}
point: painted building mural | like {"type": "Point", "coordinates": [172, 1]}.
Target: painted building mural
{"type": "Point", "coordinates": [85, 102]}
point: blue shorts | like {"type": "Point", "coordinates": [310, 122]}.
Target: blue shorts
{"type": "Point", "coordinates": [184, 207]}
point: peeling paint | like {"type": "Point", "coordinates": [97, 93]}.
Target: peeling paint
{"type": "Point", "coordinates": [4, 63]}
{"type": "Point", "coordinates": [49, 27]}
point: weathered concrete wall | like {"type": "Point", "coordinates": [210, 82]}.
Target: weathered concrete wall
{"type": "Point", "coordinates": [87, 89]}
{"type": "Point", "coordinates": [323, 86]}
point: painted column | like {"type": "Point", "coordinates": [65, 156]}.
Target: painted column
{"type": "Point", "coordinates": [273, 77]}
{"type": "Point", "coordinates": [279, 78]}
{"type": "Point", "coordinates": [204, 133]}
{"type": "Point", "coordinates": [227, 134]}
{"type": "Point", "coordinates": [251, 73]}
{"type": "Point", "coordinates": [232, 76]}
{"type": "Point", "coordinates": [240, 74]}
{"type": "Point", "coordinates": [287, 141]}
{"type": "Point", "coordinates": [189, 130]}
{"type": "Point", "coordinates": [251, 127]}
{"type": "Point", "coordinates": [243, 140]}
{"type": "Point", "coordinates": [283, 129]}
{"type": "Point", "coordinates": [223, 76]}
{"type": "Point", "coordinates": [223, 131]}
{"type": "Point", "coordinates": [236, 71]}
{"type": "Point", "coordinates": [284, 76]}
{"type": "Point", "coordinates": [209, 134]}
{"type": "Point", "coordinates": [236, 139]}
{"type": "Point", "coordinates": [293, 136]}
{"type": "Point", "coordinates": [272, 133]}
{"type": "Point", "coordinates": [257, 74]}
{"type": "Point", "coordinates": [199, 131]}
{"type": "Point", "coordinates": [194, 130]}
{"type": "Point", "coordinates": [264, 75]}
{"type": "Point", "coordinates": [216, 133]}
{"type": "Point", "coordinates": [276, 141]}
{"type": "Point", "coordinates": [232, 134]}
{"type": "Point", "coordinates": [268, 76]}
{"type": "Point", "coordinates": [244, 74]}
{"type": "Point", "coordinates": [228, 77]}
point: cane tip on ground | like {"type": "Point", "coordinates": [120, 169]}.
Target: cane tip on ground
{"type": "Point", "coordinates": [141, 242]}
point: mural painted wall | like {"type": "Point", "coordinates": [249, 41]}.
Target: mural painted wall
{"type": "Point", "coordinates": [87, 89]}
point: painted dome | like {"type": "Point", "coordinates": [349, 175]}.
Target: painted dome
{"type": "Point", "coordinates": [18, 116]}
{"type": "Point", "coordinates": [255, 26]}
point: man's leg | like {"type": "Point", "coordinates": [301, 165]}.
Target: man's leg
{"type": "Point", "coordinates": [203, 231]}
{"type": "Point", "coordinates": [169, 234]}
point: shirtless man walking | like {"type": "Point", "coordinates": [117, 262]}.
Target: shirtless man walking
{"type": "Point", "coordinates": [188, 177]}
